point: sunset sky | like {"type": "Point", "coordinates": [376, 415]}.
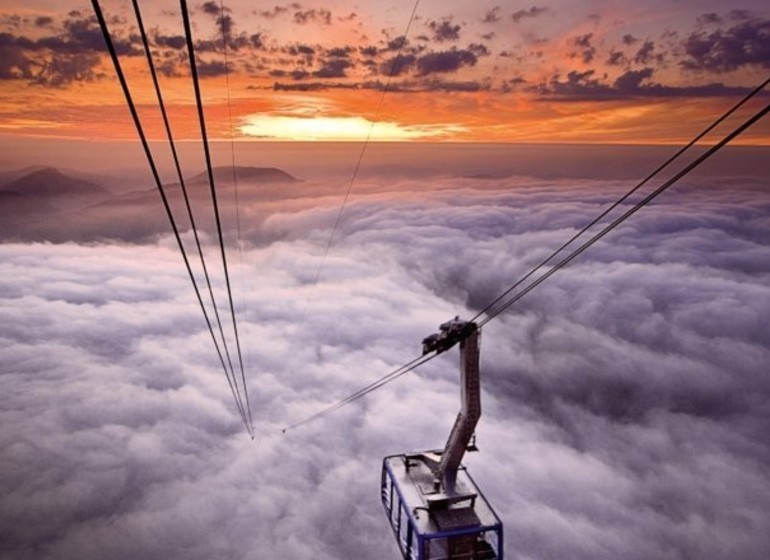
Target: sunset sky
{"type": "Point", "coordinates": [554, 71]}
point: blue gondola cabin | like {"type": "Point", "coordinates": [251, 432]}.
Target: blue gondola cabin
{"type": "Point", "coordinates": [429, 525]}
{"type": "Point", "coordinates": [435, 509]}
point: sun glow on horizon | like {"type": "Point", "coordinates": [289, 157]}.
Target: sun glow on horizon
{"type": "Point", "coordinates": [282, 127]}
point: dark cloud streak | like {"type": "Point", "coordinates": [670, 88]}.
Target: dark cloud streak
{"type": "Point", "coordinates": [445, 30]}
{"type": "Point", "coordinates": [71, 55]}
{"type": "Point", "coordinates": [493, 15]}
{"type": "Point", "coordinates": [745, 44]}
{"type": "Point", "coordinates": [320, 15]}
{"type": "Point", "coordinates": [588, 50]}
{"type": "Point", "coordinates": [445, 61]}
{"type": "Point", "coordinates": [533, 12]}
{"type": "Point", "coordinates": [60, 52]}
{"type": "Point", "coordinates": [585, 86]}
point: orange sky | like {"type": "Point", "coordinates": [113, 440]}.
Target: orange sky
{"type": "Point", "coordinates": [601, 72]}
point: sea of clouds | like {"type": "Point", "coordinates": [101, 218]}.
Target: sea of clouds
{"type": "Point", "coordinates": [625, 399]}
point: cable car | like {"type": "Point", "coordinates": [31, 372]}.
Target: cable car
{"type": "Point", "coordinates": [433, 505]}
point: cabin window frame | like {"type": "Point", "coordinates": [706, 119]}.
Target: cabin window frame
{"type": "Point", "coordinates": [417, 545]}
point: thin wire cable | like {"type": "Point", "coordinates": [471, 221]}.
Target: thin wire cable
{"type": "Point", "coordinates": [620, 201]}
{"type": "Point", "coordinates": [159, 185]}
{"type": "Point", "coordinates": [384, 380]}
{"type": "Point", "coordinates": [229, 112]}
{"type": "Point", "coordinates": [201, 118]}
{"type": "Point", "coordinates": [175, 156]}
{"type": "Point", "coordinates": [357, 167]}
{"type": "Point", "coordinates": [235, 175]}
{"type": "Point", "coordinates": [419, 361]}
{"type": "Point", "coordinates": [630, 212]}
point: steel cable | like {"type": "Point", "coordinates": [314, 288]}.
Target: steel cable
{"type": "Point", "coordinates": [210, 171]}
{"type": "Point", "coordinates": [182, 183]}
{"type": "Point", "coordinates": [410, 366]}
{"type": "Point", "coordinates": [156, 176]}
{"type": "Point", "coordinates": [620, 201]}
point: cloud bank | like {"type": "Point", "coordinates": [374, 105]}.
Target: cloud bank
{"type": "Point", "coordinates": [625, 400]}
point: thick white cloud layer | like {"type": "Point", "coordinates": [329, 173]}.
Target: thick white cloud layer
{"type": "Point", "coordinates": [625, 404]}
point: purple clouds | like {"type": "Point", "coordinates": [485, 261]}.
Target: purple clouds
{"type": "Point", "coordinates": [623, 399]}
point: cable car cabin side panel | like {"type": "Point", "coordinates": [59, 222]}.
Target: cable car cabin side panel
{"type": "Point", "coordinates": [431, 526]}
{"type": "Point", "coordinates": [400, 518]}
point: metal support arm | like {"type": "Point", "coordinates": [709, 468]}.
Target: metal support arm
{"type": "Point", "coordinates": [470, 412]}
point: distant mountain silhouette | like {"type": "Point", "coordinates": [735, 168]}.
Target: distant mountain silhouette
{"type": "Point", "coordinates": [481, 176]}
{"type": "Point", "coordinates": [45, 204]}
{"type": "Point", "coordinates": [49, 182]}
{"type": "Point", "coordinates": [14, 207]}
{"type": "Point", "coordinates": [11, 175]}
{"type": "Point", "coordinates": [35, 202]}
{"type": "Point", "coordinates": [247, 174]}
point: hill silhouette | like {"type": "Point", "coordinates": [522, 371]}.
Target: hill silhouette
{"type": "Point", "coordinates": [247, 175]}
{"type": "Point", "coordinates": [50, 182]}
{"type": "Point", "coordinates": [46, 204]}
